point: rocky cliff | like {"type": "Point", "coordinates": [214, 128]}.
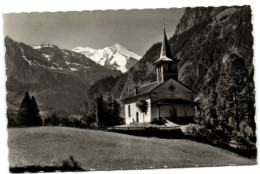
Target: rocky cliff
{"type": "Point", "coordinates": [202, 48]}
{"type": "Point", "coordinates": [193, 16]}
{"type": "Point", "coordinates": [203, 38]}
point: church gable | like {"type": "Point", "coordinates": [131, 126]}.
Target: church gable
{"type": "Point", "coordinates": [172, 89]}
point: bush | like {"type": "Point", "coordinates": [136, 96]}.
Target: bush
{"type": "Point", "coordinates": [233, 141]}
{"type": "Point", "coordinates": [191, 130]}
{"type": "Point", "coordinates": [12, 119]}
{"type": "Point", "coordinates": [64, 165]}
{"type": "Point", "coordinates": [69, 120]}
{"type": "Point", "coordinates": [70, 165]}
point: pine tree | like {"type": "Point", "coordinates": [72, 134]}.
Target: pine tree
{"type": "Point", "coordinates": [29, 113]}
{"type": "Point", "coordinates": [112, 111]}
{"type": "Point", "coordinates": [229, 88]}
{"type": "Point", "coordinates": [25, 110]}
{"type": "Point", "coordinates": [100, 115]}
{"type": "Point", "coordinates": [54, 120]}
{"type": "Point", "coordinates": [89, 115]}
{"type": "Point", "coordinates": [206, 113]}
{"type": "Point", "coordinates": [109, 110]}
{"type": "Point", "coordinates": [36, 118]}
{"type": "Point", "coordinates": [247, 107]}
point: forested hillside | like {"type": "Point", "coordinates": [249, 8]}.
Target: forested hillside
{"type": "Point", "coordinates": [200, 45]}
{"type": "Point", "coordinates": [215, 49]}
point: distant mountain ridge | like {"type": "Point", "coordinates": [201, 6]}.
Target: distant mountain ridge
{"type": "Point", "coordinates": [58, 78]}
{"type": "Point", "coordinates": [114, 57]}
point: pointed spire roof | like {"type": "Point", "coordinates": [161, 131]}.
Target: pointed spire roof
{"type": "Point", "coordinates": [166, 55]}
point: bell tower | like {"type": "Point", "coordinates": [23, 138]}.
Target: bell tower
{"type": "Point", "coordinates": [166, 65]}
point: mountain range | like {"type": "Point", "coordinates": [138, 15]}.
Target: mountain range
{"type": "Point", "coordinates": [62, 79]}
{"type": "Point", "coordinates": [115, 57]}
{"type": "Point", "coordinates": [58, 78]}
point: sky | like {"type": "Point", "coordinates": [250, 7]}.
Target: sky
{"type": "Point", "coordinates": [135, 29]}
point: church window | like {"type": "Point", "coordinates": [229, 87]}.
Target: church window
{"type": "Point", "coordinates": [129, 111]}
{"type": "Point", "coordinates": [159, 69]}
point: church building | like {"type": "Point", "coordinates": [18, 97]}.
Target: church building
{"type": "Point", "coordinates": [167, 97]}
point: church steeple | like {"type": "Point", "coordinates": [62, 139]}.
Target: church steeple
{"type": "Point", "coordinates": [165, 49]}
{"type": "Point", "coordinates": [166, 65]}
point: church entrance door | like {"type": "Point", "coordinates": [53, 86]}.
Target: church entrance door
{"type": "Point", "coordinates": [173, 114]}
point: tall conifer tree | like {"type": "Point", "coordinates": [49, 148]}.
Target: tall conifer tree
{"type": "Point", "coordinates": [36, 119]}
{"type": "Point", "coordinates": [25, 110]}
{"type": "Point", "coordinates": [29, 113]}
{"type": "Point", "coordinates": [230, 87]}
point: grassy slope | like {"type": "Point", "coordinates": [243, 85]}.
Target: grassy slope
{"type": "Point", "coordinates": [105, 150]}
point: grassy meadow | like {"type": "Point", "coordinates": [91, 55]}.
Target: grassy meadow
{"type": "Point", "coordinates": [45, 146]}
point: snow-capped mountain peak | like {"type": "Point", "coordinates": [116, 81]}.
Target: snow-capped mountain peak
{"type": "Point", "coordinates": [44, 44]}
{"type": "Point", "coordinates": [114, 57]}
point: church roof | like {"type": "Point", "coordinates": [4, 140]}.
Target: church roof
{"type": "Point", "coordinates": [143, 90]}
{"type": "Point", "coordinates": [147, 89]}
{"type": "Point", "coordinates": [172, 101]}
{"type": "Point", "coordinates": [166, 55]}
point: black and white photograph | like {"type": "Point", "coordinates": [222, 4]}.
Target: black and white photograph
{"type": "Point", "coordinates": [130, 89]}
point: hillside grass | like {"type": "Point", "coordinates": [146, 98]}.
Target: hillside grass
{"type": "Point", "coordinates": [45, 146]}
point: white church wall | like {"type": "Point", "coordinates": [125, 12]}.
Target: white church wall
{"type": "Point", "coordinates": [130, 114]}
{"type": "Point", "coordinates": [133, 113]}
{"type": "Point", "coordinates": [147, 116]}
